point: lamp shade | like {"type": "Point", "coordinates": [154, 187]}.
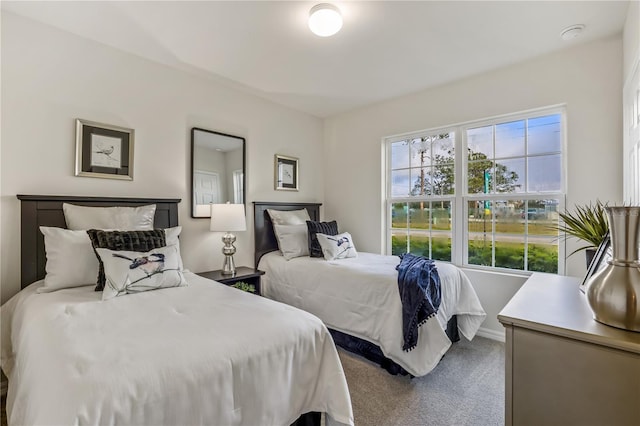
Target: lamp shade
{"type": "Point", "coordinates": [325, 19]}
{"type": "Point", "coordinates": [228, 217]}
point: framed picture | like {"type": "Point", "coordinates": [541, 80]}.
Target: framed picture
{"type": "Point", "coordinates": [104, 151]}
{"type": "Point", "coordinates": [286, 173]}
{"type": "Point", "coordinates": [603, 255]}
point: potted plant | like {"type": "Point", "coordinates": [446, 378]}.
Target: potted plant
{"type": "Point", "coordinates": [241, 285]}
{"type": "Point", "coordinates": [587, 223]}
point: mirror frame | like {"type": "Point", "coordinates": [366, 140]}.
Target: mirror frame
{"type": "Point", "coordinates": [244, 167]}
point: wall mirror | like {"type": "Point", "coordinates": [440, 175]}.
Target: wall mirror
{"type": "Point", "coordinates": [217, 170]}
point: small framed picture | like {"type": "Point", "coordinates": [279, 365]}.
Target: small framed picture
{"type": "Point", "coordinates": [603, 255]}
{"type": "Point", "coordinates": [103, 150]}
{"type": "Point", "coordinates": [286, 173]}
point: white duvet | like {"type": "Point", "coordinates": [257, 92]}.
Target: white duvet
{"type": "Point", "coordinates": [359, 296]}
{"type": "Point", "coordinates": [205, 354]}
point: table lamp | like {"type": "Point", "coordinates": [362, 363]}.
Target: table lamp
{"type": "Point", "coordinates": [227, 218]}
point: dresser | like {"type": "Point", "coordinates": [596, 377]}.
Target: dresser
{"type": "Point", "coordinates": [561, 366]}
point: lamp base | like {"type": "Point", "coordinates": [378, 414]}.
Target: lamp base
{"type": "Point", "coordinates": [229, 266]}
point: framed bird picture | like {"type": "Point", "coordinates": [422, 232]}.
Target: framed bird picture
{"type": "Point", "coordinates": [286, 173]}
{"type": "Point", "coordinates": [103, 150]}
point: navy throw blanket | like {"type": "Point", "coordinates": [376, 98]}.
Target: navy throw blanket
{"type": "Point", "coordinates": [419, 285]}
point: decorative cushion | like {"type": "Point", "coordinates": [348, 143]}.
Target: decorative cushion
{"type": "Point", "coordinates": [124, 241]}
{"type": "Point", "coordinates": [71, 261]}
{"type": "Point", "coordinates": [289, 242]}
{"type": "Point", "coordinates": [327, 228]}
{"type": "Point", "coordinates": [121, 218]}
{"type": "Point", "coordinates": [337, 246]}
{"type": "Point", "coordinates": [171, 235]}
{"type": "Point", "coordinates": [288, 217]}
{"type": "Point", "coordinates": [129, 272]}
{"type": "Point", "coordinates": [292, 240]}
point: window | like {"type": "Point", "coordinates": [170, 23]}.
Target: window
{"type": "Point", "coordinates": [483, 194]}
{"type": "Point", "coordinates": [422, 168]}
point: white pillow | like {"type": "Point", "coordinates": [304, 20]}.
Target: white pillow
{"type": "Point", "coordinates": [129, 272]}
{"type": "Point", "coordinates": [120, 218]}
{"type": "Point", "coordinates": [171, 237]}
{"type": "Point", "coordinates": [289, 217]}
{"type": "Point", "coordinates": [337, 246]}
{"type": "Point", "coordinates": [71, 261]}
{"type": "Point", "coordinates": [289, 243]}
{"type": "Point", "coordinates": [292, 240]}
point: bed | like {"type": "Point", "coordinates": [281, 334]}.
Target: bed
{"type": "Point", "coordinates": [203, 353]}
{"type": "Point", "coordinates": [358, 299]}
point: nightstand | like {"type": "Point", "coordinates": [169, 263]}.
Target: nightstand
{"type": "Point", "coordinates": [248, 275]}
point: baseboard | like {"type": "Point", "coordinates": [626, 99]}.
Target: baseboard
{"type": "Point", "coordinates": [491, 334]}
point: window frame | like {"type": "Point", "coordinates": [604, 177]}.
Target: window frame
{"type": "Point", "coordinates": [460, 198]}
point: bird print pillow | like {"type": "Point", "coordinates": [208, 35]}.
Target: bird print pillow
{"type": "Point", "coordinates": [337, 246]}
{"type": "Point", "coordinates": [129, 272]}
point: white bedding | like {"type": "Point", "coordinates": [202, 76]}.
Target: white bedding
{"type": "Point", "coordinates": [359, 296]}
{"type": "Point", "coordinates": [203, 354]}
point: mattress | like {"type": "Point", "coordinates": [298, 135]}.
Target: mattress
{"type": "Point", "coordinates": [359, 296]}
{"type": "Point", "coordinates": [201, 354]}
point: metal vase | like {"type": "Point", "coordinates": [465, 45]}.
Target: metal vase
{"type": "Point", "coordinates": [614, 292]}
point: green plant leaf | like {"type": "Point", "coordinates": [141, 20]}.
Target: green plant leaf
{"type": "Point", "coordinates": [241, 285]}
{"type": "Point", "coordinates": [588, 223]}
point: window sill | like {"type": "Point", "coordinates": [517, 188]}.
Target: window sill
{"type": "Point", "coordinates": [497, 271]}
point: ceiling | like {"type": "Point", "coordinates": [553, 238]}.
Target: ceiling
{"type": "Point", "coordinates": [385, 48]}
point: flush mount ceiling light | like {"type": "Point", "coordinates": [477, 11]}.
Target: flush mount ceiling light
{"type": "Point", "coordinates": [572, 32]}
{"type": "Point", "coordinates": [325, 19]}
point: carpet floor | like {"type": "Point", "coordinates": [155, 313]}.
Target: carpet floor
{"type": "Point", "coordinates": [465, 388]}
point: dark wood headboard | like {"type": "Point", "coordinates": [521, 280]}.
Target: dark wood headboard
{"type": "Point", "coordinates": [46, 210]}
{"type": "Point", "coordinates": [265, 239]}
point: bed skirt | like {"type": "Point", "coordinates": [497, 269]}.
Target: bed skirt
{"type": "Point", "coordinates": [374, 353]}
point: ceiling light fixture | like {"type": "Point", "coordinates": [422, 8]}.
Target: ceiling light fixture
{"type": "Point", "coordinates": [325, 19]}
{"type": "Point", "coordinates": [572, 32]}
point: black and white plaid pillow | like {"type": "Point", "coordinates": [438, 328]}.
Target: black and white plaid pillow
{"type": "Point", "coordinates": [313, 227]}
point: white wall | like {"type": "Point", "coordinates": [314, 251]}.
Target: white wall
{"type": "Point", "coordinates": [587, 78]}
{"type": "Point", "coordinates": [50, 78]}
{"type": "Point", "coordinates": [631, 38]}
{"type": "Point", "coordinates": [631, 79]}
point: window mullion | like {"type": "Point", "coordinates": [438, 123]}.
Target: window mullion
{"type": "Point", "coordinates": [526, 186]}
{"type": "Point", "coordinates": [458, 235]}
{"type": "Point", "coordinates": [408, 230]}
